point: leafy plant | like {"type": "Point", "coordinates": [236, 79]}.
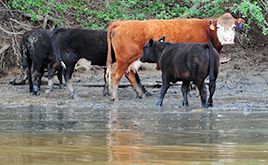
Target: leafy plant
{"type": "Point", "coordinates": [92, 15]}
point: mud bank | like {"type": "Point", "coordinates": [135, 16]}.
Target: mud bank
{"type": "Point", "coordinates": [241, 84]}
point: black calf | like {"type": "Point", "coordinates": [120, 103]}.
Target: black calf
{"type": "Point", "coordinates": [37, 55]}
{"type": "Point", "coordinates": [184, 62]}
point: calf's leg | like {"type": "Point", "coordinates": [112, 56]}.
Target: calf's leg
{"type": "Point", "coordinates": [184, 90]}
{"type": "Point", "coordinates": [203, 93]}
{"type": "Point", "coordinates": [164, 88]}
{"type": "Point", "coordinates": [212, 86]}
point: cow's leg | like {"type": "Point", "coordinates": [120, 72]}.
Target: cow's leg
{"type": "Point", "coordinates": [36, 74]}
{"type": "Point", "coordinates": [203, 93]}
{"type": "Point", "coordinates": [184, 90]}
{"type": "Point", "coordinates": [117, 75]}
{"type": "Point", "coordinates": [51, 73]}
{"type": "Point", "coordinates": [132, 79]}
{"type": "Point", "coordinates": [141, 86]}
{"type": "Point", "coordinates": [59, 75]}
{"type": "Point", "coordinates": [164, 88]}
{"type": "Point", "coordinates": [67, 76]}
{"type": "Point", "coordinates": [29, 75]}
{"type": "Point", "coordinates": [40, 78]}
{"type": "Point", "coordinates": [106, 86]}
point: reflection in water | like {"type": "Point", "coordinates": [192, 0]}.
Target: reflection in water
{"type": "Point", "coordinates": [60, 135]}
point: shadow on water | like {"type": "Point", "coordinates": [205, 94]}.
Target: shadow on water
{"type": "Point", "coordinates": [116, 134]}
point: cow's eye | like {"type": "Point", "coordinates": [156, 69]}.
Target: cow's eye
{"type": "Point", "coordinates": [233, 28]}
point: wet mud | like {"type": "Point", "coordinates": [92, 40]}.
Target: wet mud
{"type": "Point", "coordinates": [240, 85]}
{"type": "Point", "coordinates": [92, 128]}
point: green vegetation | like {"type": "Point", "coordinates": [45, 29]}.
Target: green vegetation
{"type": "Point", "coordinates": [96, 15]}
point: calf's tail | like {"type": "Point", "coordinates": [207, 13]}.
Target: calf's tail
{"type": "Point", "coordinates": [213, 63]}
{"type": "Point", "coordinates": [53, 38]}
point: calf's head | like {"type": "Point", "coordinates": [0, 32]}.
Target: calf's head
{"type": "Point", "coordinates": [151, 51]}
{"type": "Point", "coordinates": [226, 28]}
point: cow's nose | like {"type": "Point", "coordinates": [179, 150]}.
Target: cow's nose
{"type": "Point", "coordinates": [228, 41]}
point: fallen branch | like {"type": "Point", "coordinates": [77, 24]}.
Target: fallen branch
{"type": "Point", "coordinates": [4, 48]}
{"type": "Point", "coordinates": [8, 32]}
{"type": "Point", "coordinates": [124, 85]}
{"type": "Point", "coordinates": [39, 17]}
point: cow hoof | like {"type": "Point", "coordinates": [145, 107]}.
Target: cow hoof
{"type": "Point", "coordinates": [114, 99]}
{"type": "Point", "coordinates": [73, 95]}
{"type": "Point", "coordinates": [35, 93]}
{"type": "Point", "coordinates": [61, 86]}
{"type": "Point", "coordinates": [148, 93]}
{"type": "Point", "coordinates": [159, 103]}
{"type": "Point", "coordinates": [47, 95]}
{"type": "Point", "coordinates": [139, 96]}
{"type": "Point", "coordinates": [210, 105]}
{"type": "Point", "coordinates": [105, 92]}
{"type": "Point", "coordinates": [47, 91]}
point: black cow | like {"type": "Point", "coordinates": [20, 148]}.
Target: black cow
{"type": "Point", "coordinates": [37, 54]}
{"type": "Point", "coordinates": [184, 62]}
{"type": "Point", "coordinates": [72, 44]}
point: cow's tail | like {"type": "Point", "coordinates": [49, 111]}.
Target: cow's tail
{"type": "Point", "coordinates": [24, 52]}
{"type": "Point", "coordinates": [109, 61]}
{"type": "Point", "coordinates": [53, 37]}
{"type": "Point", "coordinates": [213, 63]}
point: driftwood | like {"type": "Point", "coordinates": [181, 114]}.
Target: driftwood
{"type": "Point", "coordinates": [4, 48]}
{"type": "Point", "coordinates": [156, 84]}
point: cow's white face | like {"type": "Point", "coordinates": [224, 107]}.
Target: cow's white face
{"type": "Point", "coordinates": [226, 29]}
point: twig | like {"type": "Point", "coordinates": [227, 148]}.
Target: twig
{"type": "Point", "coordinates": [4, 48]}
{"type": "Point", "coordinates": [45, 22]}
{"type": "Point", "coordinates": [26, 26]}
{"type": "Point", "coordinates": [7, 9]}
{"type": "Point", "coordinates": [8, 32]}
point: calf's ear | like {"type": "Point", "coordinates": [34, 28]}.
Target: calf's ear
{"type": "Point", "coordinates": [151, 42]}
{"type": "Point", "coordinates": [239, 22]}
{"type": "Point", "coordinates": [162, 39]}
{"type": "Point", "coordinates": [211, 24]}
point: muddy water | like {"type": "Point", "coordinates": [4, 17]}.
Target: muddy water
{"type": "Point", "coordinates": [132, 132]}
{"type": "Point", "coordinates": [95, 130]}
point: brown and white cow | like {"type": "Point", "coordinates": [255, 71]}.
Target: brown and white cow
{"type": "Point", "coordinates": [127, 39]}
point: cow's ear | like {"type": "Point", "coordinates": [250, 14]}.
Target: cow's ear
{"type": "Point", "coordinates": [162, 39]}
{"type": "Point", "coordinates": [239, 22]}
{"type": "Point", "coordinates": [151, 42]}
{"type": "Point", "coordinates": [211, 24]}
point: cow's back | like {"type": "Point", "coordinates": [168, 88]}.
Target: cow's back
{"type": "Point", "coordinates": [84, 43]}
{"type": "Point", "coordinates": [39, 46]}
{"type": "Point", "coordinates": [132, 35]}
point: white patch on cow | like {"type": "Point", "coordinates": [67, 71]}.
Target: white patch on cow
{"type": "Point", "coordinates": [85, 63]}
{"type": "Point", "coordinates": [226, 35]}
{"type": "Point", "coordinates": [134, 66]}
